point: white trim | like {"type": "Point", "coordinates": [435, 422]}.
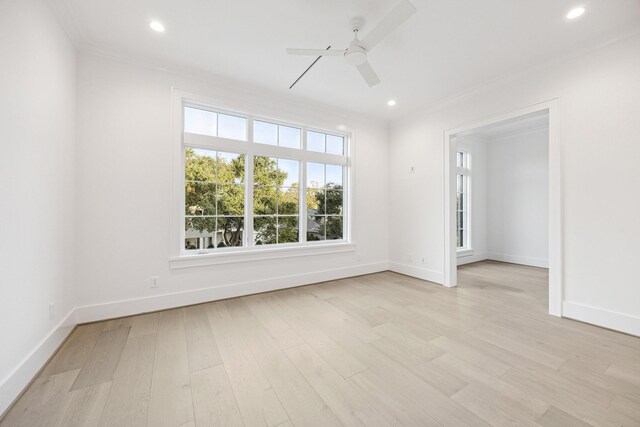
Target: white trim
{"type": "Point", "coordinates": [129, 307]}
{"type": "Point", "coordinates": [622, 322]}
{"type": "Point", "coordinates": [258, 253]}
{"type": "Point", "coordinates": [464, 252]}
{"type": "Point", "coordinates": [471, 258]}
{"type": "Point", "coordinates": [418, 272]}
{"type": "Point", "coordinates": [555, 199]}
{"type": "Point", "coordinates": [517, 259]}
{"type": "Point", "coordinates": [19, 378]}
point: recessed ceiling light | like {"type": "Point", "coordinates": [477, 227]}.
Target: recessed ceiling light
{"type": "Point", "coordinates": [576, 12]}
{"type": "Point", "coordinates": [391, 102]}
{"type": "Point", "coordinates": [157, 26]}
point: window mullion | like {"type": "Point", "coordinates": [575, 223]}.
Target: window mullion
{"type": "Point", "coordinates": [302, 210]}
{"type": "Point", "coordinates": [248, 189]}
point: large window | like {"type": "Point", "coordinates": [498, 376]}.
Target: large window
{"type": "Point", "coordinates": [251, 182]}
{"type": "Point", "coordinates": [463, 164]}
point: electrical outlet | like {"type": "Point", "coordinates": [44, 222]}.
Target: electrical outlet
{"type": "Point", "coordinates": [423, 259]}
{"type": "Point", "coordinates": [412, 169]}
{"type": "Point", "coordinates": [52, 312]}
{"type": "Point", "coordinates": [154, 282]}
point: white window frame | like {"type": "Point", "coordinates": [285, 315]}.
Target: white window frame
{"type": "Point", "coordinates": [466, 172]}
{"type": "Point", "coordinates": [181, 258]}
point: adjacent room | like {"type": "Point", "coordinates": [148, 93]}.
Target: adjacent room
{"type": "Point", "coordinates": [294, 213]}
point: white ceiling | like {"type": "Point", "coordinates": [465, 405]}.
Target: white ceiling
{"type": "Point", "coordinates": [527, 123]}
{"type": "Point", "coordinates": [446, 48]}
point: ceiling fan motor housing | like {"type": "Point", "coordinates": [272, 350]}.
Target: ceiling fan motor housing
{"type": "Point", "coordinates": [356, 54]}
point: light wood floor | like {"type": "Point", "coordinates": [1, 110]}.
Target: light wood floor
{"type": "Point", "coordinates": [376, 350]}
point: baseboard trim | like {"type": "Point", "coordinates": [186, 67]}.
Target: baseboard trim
{"type": "Point", "coordinates": [110, 310]}
{"type": "Point", "coordinates": [517, 259]}
{"type": "Point", "coordinates": [14, 384]}
{"type": "Point", "coordinates": [468, 259]}
{"type": "Point", "coordinates": [417, 272]}
{"type": "Point", "coordinates": [617, 321]}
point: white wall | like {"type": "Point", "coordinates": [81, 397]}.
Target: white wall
{"type": "Point", "coordinates": [124, 194]}
{"type": "Point", "coordinates": [477, 148]}
{"type": "Point", "coordinates": [518, 198]}
{"type": "Point", "coordinates": [37, 124]}
{"type": "Point", "coordinates": [598, 96]}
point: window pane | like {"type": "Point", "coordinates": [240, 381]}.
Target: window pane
{"type": "Point", "coordinates": [230, 199]}
{"type": "Point", "coordinates": [334, 227]}
{"type": "Point", "coordinates": [288, 201]}
{"type": "Point", "coordinates": [200, 121]}
{"type": "Point", "coordinates": [315, 175]}
{"type": "Point", "coordinates": [334, 202]}
{"type": "Point", "coordinates": [459, 159]}
{"type": "Point", "coordinates": [460, 184]}
{"type": "Point", "coordinates": [316, 202]}
{"type": "Point", "coordinates": [230, 168]}
{"type": "Point", "coordinates": [264, 200]}
{"type": "Point", "coordinates": [288, 172]}
{"type": "Point", "coordinates": [265, 171]}
{"type": "Point", "coordinates": [200, 198]}
{"type": "Point", "coordinates": [289, 137]}
{"type": "Point", "coordinates": [230, 231]}
{"type": "Point", "coordinates": [335, 144]}
{"type": "Point", "coordinates": [460, 219]}
{"type": "Point", "coordinates": [264, 230]}
{"type": "Point", "coordinates": [460, 202]}
{"type": "Point", "coordinates": [191, 243]}
{"type": "Point", "coordinates": [232, 127]}
{"type": "Point", "coordinates": [459, 238]}
{"type": "Point", "coordinates": [315, 228]}
{"type": "Point", "coordinates": [196, 228]}
{"type": "Point", "coordinates": [334, 176]}
{"type": "Point", "coordinates": [265, 133]}
{"type": "Point", "coordinates": [200, 165]}
{"type": "Point", "coordinates": [315, 141]}
{"type": "Point", "coordinates": [288, 229]}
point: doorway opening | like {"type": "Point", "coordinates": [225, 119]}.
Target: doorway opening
{"type": "Point", "coordinates": [503, 195]}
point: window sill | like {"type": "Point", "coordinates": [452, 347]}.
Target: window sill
{"type": "Point", "coordinates": [258, 254]}
{"type": "Point", "coordinates": [464, 252]}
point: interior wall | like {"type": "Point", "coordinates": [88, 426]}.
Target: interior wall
{"type": "Point", "coordinates": [124, 193]}
{"type": "Point", "coordinates": [37, 125]}
{"type": "Point", "coordinates": [598, 106]}
{"type": "Point", "coordinates": [477, 149]}
{"type": "Point", "coordinates": [518, 199]}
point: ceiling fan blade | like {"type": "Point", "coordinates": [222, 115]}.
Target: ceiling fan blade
{"type": "Point", "coordinates": [308, 68]}
{"type": "Point", "coordinates": [400, 13]}
{"type": "Point", "coordinates": [315, 52]}
{"type": "Point", "coordinates": [368, 74]}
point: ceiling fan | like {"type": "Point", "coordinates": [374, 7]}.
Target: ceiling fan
{"type": "Point", "coordinates": [356, 53]}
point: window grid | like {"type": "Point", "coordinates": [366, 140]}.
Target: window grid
{"type": "Point", "coordinates": [462, 200]}
{"type": "Point", "coordinates": [250, 149]}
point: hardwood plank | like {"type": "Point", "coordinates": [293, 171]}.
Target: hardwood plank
{"type": "Point", "coordinates": [84, 407]}
{"type": "Point", "coordinates": [103, 360]}
{"type": "Point", "coordinates": [555, 417]}
{"type": "Point", "coordinates": [256, 399]}
{"type": "Point", "coordinates": [202, 349]}
{"type": "Point", "coordinates": [74, 352]}
{"type": "Point", "coordinates": [302, 403]}
{"type": "Point", "coordinates": [42, 402]}
{"type": "Point", "coordinates": [170, 403]}
{"type": "Point", "coordinates": [345, 402]}
{"type": "Point", "coordinates": [144, 324]}
{"type": "Point", "coordinates": [128, 400]}
{"type": "Point", "coordinates": [213, 400]}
